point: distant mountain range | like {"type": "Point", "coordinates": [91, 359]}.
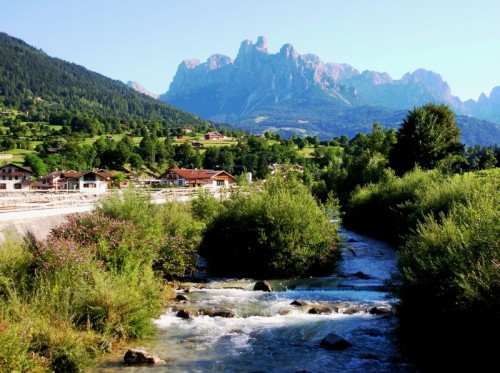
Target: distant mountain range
{"type": "Point", "coordinates": [292, 93]}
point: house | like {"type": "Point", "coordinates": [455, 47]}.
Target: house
{"type": "Point", "coordinates": [213, 136]}
{"type": "Point", "coordinates": [197, 144]}
{"type": "Point", "coordinates": [88, 181]}
{"type": "Point", "coordinates": [15, 178]}
{"type": "Point", "coordinates": [93, 181]}
{"type": "Point", "coordinates": [56, 180]}
{"type": "Point", "coordinates": [197, 178]}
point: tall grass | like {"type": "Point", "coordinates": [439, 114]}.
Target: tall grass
{"type": "Point", "coordinates": [98, 279]}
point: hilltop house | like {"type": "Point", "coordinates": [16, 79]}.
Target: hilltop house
{"type": "Point", "coordinates": [213, 136]}
{"type": "Point", "coordinates": [197, 178]}
{"type": "Point", "coordinates": [88, 181]}
{"type": "Point", "coordinates": [15, 178]}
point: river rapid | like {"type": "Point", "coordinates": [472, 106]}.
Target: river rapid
{"type": "Point", "coordinates": [269, 334]}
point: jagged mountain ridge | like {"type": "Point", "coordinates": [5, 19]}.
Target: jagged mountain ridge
{"type": "Point", "coordinates": [260, 91]}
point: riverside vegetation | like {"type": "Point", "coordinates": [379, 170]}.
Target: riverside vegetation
{"type": "Point", "coordinates": [100, 278]}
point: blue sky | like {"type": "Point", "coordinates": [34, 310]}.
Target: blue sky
{"type": "Point", "coordinates": [146, 40]}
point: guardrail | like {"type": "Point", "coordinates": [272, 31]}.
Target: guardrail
{"type": "Point", "coordinates": [53, 200]}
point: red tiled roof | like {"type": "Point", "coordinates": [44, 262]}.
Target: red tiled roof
{"type": "Point", "coordinates": [198, 174]}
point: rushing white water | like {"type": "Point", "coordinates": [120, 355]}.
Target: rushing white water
{"type": "Point", "coordinates": [269, 334]}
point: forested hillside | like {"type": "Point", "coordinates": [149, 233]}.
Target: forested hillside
{"type": "Point", "coordinates": [32, 80]}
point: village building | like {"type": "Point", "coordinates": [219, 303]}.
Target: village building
{"type": "Point", "coordinates": [197, 178]}
{"type": "Point", "coordinates": [88, 181]}
{"type": "Point", "coordinates": [15, 178]}
{"type": "Point", "coordinates": [214, 136]}
{"type": "Point", "coordinates": [197, 144]}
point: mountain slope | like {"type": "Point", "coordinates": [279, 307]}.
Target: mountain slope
{"type": "Point", "coordinates": [293, 93]}
{"type": "Point", "coordinates": [31, 79]}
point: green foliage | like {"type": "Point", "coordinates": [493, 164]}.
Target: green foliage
{"type": "Point", "coordinates": [97, 279]}
{"type": "Point", "coordinates": [205, 207]}
{"type": "Point", "coordinates": [168, 233]}
{"type": "Point", "coordinates": [273, 230]}
{"type": "Point", "coordinates": [452, 264]}
{"type": "Point", "coordinates": [391, 208]}
{"type": "Point", "coordinates": [427, 136]}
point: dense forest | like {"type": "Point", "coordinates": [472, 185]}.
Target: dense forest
{"type": "Point", "coordinates": [47, 87]}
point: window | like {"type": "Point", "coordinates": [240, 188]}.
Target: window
{"type": "Point", "coordinates": [89, 177]}
{"type": "Point", "coordinates": [3, 186]}
{"type": "Point", "coordinates": [89, 185]}
{"type": "Point", "coordinates": [220, 182]}
{"type": "Point", "coordinates": [17, 186]}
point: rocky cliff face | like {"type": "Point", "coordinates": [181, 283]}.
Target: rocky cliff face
{"type": "Point", "coordinates": [141, 89]}
{"type": "Point", "coordinates": [263, 87]}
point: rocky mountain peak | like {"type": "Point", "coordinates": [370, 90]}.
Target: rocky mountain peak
{"type": "Point", "coordinates": [289, 52]}
{"type": "Point", "coordinates": [141, 89]}
{"type": "Point", "coordinates": [217, 61]}
{"type": "Point", "coordinates": [261, 44]}
{"type": "Point", "coordinates": [189, 64]}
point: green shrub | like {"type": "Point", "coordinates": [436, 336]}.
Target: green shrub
{"type": "Point", "coordinates": [160, 228]}
{"type": "Point", "coordinates": [276, 231]}
{"type": "Point", "coordinates": [390, 209]}
{"type": "Point", "coordinates": [451, 265]}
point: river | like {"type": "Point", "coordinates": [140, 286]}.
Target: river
{"type": "Point", "coordinates": [269, 334]}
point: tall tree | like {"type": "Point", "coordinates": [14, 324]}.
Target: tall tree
{"type": "Point", "coordinates": [427, 136]}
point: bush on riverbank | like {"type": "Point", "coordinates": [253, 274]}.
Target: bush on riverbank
{"type": "Point", "coordinates": [390, 209]}
{"type": "Point", "coordinates": [449, 257]}
{"type": "Point", "coordinates": [268, 231]}
{"type": "Point", "coordinates": [451, 267]}
{"type": "Point", "coordinates": [96, 280]}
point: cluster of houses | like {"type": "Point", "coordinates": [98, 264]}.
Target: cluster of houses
{"type": "Point", "coordinates": [14, 178]}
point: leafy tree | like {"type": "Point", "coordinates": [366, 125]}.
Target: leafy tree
{"type": "Point", "coordinates": [427, 136]}
{"type": "Point", "coordinates": [36, 163]}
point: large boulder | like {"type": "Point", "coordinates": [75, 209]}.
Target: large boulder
{"type": "Point", "coordinates": [335, 342]}
{"type": "Point", "coordinates": [262, 286]}
{"type": "Point", "coordinates": [320, 310]}
{"type": "Point", "coordinates": [133, 356]}
{"type": "Point", "coordinates": [380, 310]}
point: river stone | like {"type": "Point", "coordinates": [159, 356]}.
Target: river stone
{"type": "Point", "coordinates": [335, 342]}
{"type": "Point", "coordinates": [262, 286]}
{"type": "Point", "coordinates": [141, 357]}
{"type": "Point", "coordinates": [299, 303]}
{"type": "Point", "coordinates": [181, 297]}
{"type": "Point", "coordinates": [380, 310]}
{"type": "Point", "coordinates": [218, 312]}
{"type": "Point", "coordinates": [320, 310]}
{"type": "Point", "coordinates": [185, 314]}
{"type": "Point", "coordinates": [361, 275]}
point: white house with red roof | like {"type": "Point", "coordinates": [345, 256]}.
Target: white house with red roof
{"type": "Point", "coordinates": [184, 177]}
{"type": "Point", "coordinates": [14, 178]}
{"type": "Point", "coordinates": [88, 181]}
